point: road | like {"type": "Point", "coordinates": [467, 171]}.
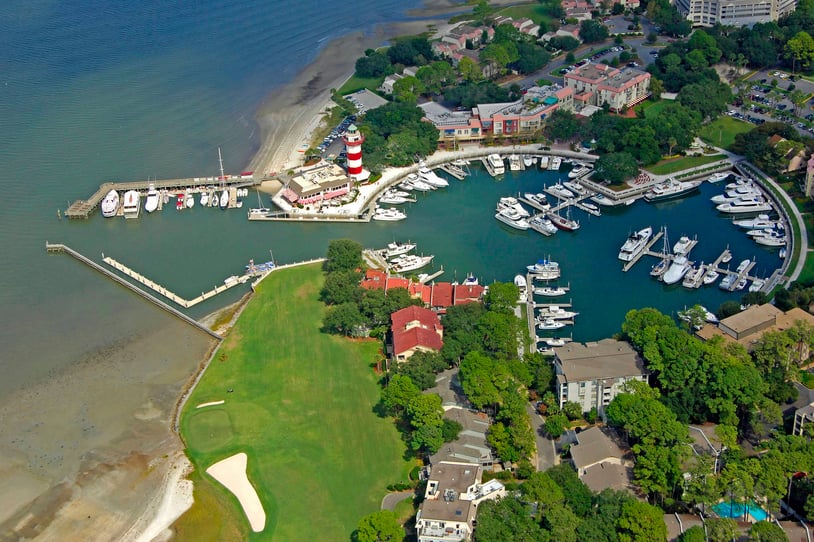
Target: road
{"type": "Point", "coordinates": [546, 454]}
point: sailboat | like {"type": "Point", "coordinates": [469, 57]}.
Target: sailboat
{"type": "Point", "coordinates": [564, 223]}
{"type": "Point", "coordinates": [224, 197]}
{"type": "Point", "coordinates": [660, 268]}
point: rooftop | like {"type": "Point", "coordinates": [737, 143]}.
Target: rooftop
{"type": "Point", "coordinates": [595, 445]}
{"type": "Point", "coordinates": [455, 476]}
{"type": "Point", "coordinates": [607, 358]}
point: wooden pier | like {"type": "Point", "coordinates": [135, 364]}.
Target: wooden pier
{"type": "Point", "coordinates": [83, 208]}
{"type": "Point", "coordinates": [456, 172]}
{"type": "Point", "coordinates": [435, 275]}
{"type": "Point", "coordinates": [58, 247]}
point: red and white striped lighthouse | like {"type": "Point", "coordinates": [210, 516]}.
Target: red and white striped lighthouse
{"type": "Point", "coordinates": [353, 139]}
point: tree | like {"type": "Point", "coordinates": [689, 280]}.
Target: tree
{"type": "Point", "coordinates": [341, 287]}
{"type": "Point", "coordinates": [617, 8]}
{"type": "Point", "coordinates": [709, 98]}
{"type": "Point", "coordinates": [615, 167]}
{"type": "Point", "coordinates": [562, 125]}
{"type": "Point", "coordinates": [343, 255]}
{"type": "Point", "coordinates": [540, 488]}
{"type": "Point", "coordinates": [379, 526]}
{"type": "Point", "coordinates": [506, 519]}
{"type": "Point", "coordinates": [800, 50]}
{"type": "Point", "coordinates": [398, 393]}
{"type": "Point", "coordinates": [374, 64]}
{"type": "Point", "coordinates": [556, 424]}
{"type": "Point", "coordinates": [561, 522]}
{"type": "Point", "coordinates": [572, 410]}
{"type": "Point", "coordinates": [577, 495]}
{"type": "Point", "coordinates": [531, 57]}
{"type": "Point", "coordinates": [495, 57]}
{"type": "Point", "coordinates": [502, 297]}
{"type": "Point", "coordinates": [592, 31]}
{"type": "Point", "coordinates": [407, 89]}
{"type": "Point", "coordinates": [343, 318]}
{"type": "Point", "coordinates": [641, 522]}
{"type": "Point", "coordinates": [421, 368]}
{"type": "Point", "coordinates": [693, 534]}
{"type": "Point", "coordinates": [722, 529]}
{"type": "Point", "coordinates": [656, 88]}
{"type": "Point", "coordinates": [426, 418]}
{"type": "Point", "coordinates": [763, 531]}
{"type": "Point", "coordinates": [469, 70]}
{"type": "Point", "coordinates": [564, 43]}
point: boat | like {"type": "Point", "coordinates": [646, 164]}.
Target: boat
{"type": "Point", "coordinates": [511, 218]}
{"type": "Point", "coordinates": [579, 171]}
{"type": "Point", "coordinates": [538, 201]}
{"type": "Point", "coordinates": [660, 268]}
{"type": "Point", "coordinates": [741, 284]}
{"type": "Point", "coordinates": [555, 341]}
{"type": "Point", "coordinates": [550, 323]}
{"type": "Point", "coordinates": [560, 191]}
{"type": "Point", "coordinates": [470, 280]}
{"type": "Point", "coordinates": [390, 214]}
{"type": "Point", "coordinates": [762, 233]}
{"type": "Point", "coordinates": [520, 282]}
{"type": "Point", "coordinates": [683, 245]}
{"type": "Point", "coordinates": [743, 191]}
{"type": "Point", "coordinates": [670, 189]}
{"type": "Point", "coordinates": [574, 187]}
{"type": "Point", "coordinates": [213, 199]}
{"type": "Point", "coordinates": [152, 200]}
{"type": "Point", "coordinates": [678, 268]}
{"type": "Point", "coordinates": [555, 163]}
{"type": "Point", "coordinates": [430, 177]}
{"type": "Point", "coordinates": [397, 248]}
{"type": "Point", "coordinates": [204, 198]}
{"type": "Point", "coordinates": [528, 161]}
{"type": "Point", "coordinates": [543, 266]}
{"type": "Point", "coordinates": [514, 163]}
{"type": "Point", "coordinates": [590, 207]}
{"type": "Point", "coordinates": [418, 184]}
{"type": "Point", "coordinates": [411, 263]}
{"type": "Point", "coordinates": [605, 201]}
{"type": "Point", "coordinates": [224, 199]}
{"type": "Point", "coordinates": [718, 177]}
{"type": "Point", "coordinates": [634, 244]}
{"type": "Point", "coordinates": [393, 199]}
{"type": "Point", "coordinates": [711, 276]}
{"type": "Point", "coordinates": [761, 221]}
{"type": "Point", "coordinates": [694, 277]}
{"type": "Point", "coordinates": [494, 165]}
{"type": "Point", "coordinates": [509, 202]}
{"type": "Point", "coordinates": [551, 291]}
{"type": "Point", "coordinates": [775, 239]}
{"type": "Point", "coordinates": [743, 266]}
{"type": "Point", "coordinates": [727, 256]}
{"type": "Point", "coordinates": [541, 224]}
{"type": "Point", "coordinates": [179, 202]}
{"type": "Point", "coordinates": [782, 253]}
{"type": "Point", "coordinates": [544, 162]}
{"type": "Point", "coordinates": [756, 285]}
{"type": "Point", "coordinates": [745, 205]}
{"type": "Point", "coordinates": [132, 204]}
{"type": "Point", "coordinates": [564, 223]}
{"type": "Point", "coordinates": [189, 199]}
{"type": "Point", "coordinates": [728, 282]}
{"type": "Point", "coordinates": [110, 204]}
{"type": "Point", "coordinates": [556, 312]}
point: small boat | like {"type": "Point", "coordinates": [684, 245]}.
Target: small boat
{"type": "Point", "coordinates": [510, 202]}
{"type": "Point", "coordinates": [204, 198]}
{"type": "Point", "coordinates": [538, 200]}
{"type": "Point", "coordinates": [575, 187]}
{"type": "Point", "coordinates": [727, 257]}
{"type": "Point", "coordinates": [694, 277]}
{"type": "Point", "coordinates": [528, 161]}
{"type": "Point", "coordinates": [470, 280]}
{"type": "Point", "coordinates": [152, 200]}
{"type": "Point", "coordinates": [551, 291]}
{"type": "Point", "coordinates": [550, 323]}
{"type": "Point", "coordinates": [397, 248]}
{"type": "Point", "coordinates": [390, 214]}
{"type": "Point", "coordinates": [711, 276]}
{"type": "Point", "coordinates": [110, 204]}
{"type": "Point", "coordinates": [557, 313]}
{"type": "Point", "coordinates": [605, 201]}
{"type": "Point", "coordinates": [728, 282]}
{"type": "Point", "coordinates": [541, 224]}
{"type": "Point", "coordinates": [132, 204]}
{"type": "Point", "coordinates": [560, 191]}
{"type": "Point", "coordinates": [634, 244]}
{"type": "Point", "coordinates": [555, 341]}
{"type": "Point", "coordinates": [564, 223]}
{"type": "Point", "coordinates": [555, 163]}
{"type": "Point", "coordinates": [514, 162]}
{"type": "Point", "coordinates": [590, 207]}
{"type": "Point", "coordinates": [670, 189]}
{"type": "Point", "coordinates": [782, 253]}
{"type": "Point", "coordinates": [660, 268]}
{"type": "Point", "coordinates": [224, 199]}
{"type": "Point", "coordinates": [511, 218]}
{"type": "Point", "coordinates": [391, 199]}
{"type": "Point", "coordinates": [718, 177]}
{"type": "Point", "coordinates": [189, 199]}
{"type": "Point", "coordinates": [543, 266]}
{"type": "Point", "coordinates": [677, 270]}
{"type": "Point", "coordinates": [743, 266]}
{"type": "Point", "coordinates": [756, 285]}
{"type": "Point", "coordinates": [179, 202]}
{"type": "Point", "coordinates": [682, 246]}
{"type": "Point", "coordinates": [741, 284]}
{"type": "Point", "coordinates": [544, 162]}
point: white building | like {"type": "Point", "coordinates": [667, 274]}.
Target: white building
{"type": "Point", "coordinates": [593, 374]}
{"type": "Point", "coordinates": [733, 12]}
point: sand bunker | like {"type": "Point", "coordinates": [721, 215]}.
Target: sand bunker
{"type": "Point", "coordinates": [231, 472]}
{"type": "Point", "coordinates": [211, 403]}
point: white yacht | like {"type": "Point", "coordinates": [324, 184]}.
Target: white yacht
{"type": "Point", "coordinates": [694, 277]}
{"type": "Point", "coordinates": [670, 189]}
{"type": "Point", "coordinates": [756, 285]}
{"type": "Point", "coordinates": [543, 266]}
{"type": "Point", "coordinates": [711, 276]}
{"type": "Point", "coordinates": [635, 243]}
{"type": "Point", "coordinates": [430, 177]}
{"type": "Point", "coordinates": [745, 205]}
{"type": "Point", "coordinates": [761, 221]}
{"type": "Point", "coordinates": [579, 171]}
{"type": "Point", "coordinates": [224, 199]}
{"type": "Point", "coordinates": [745, 191]}
{"type": "Point", "coordinates": [509, 202]}
{"type": "Point", "coordinates": [494, 165]}
{"type": "Point", "coordinates": [538, 201]}
{"type": "Point", "coordinates": [551, 291]}
{"type": "Point", "coordinates": [550, 323]}
{"type": "Point", "coordinates": [132, 204]}
{"type": "Point", "coordinates": [397, 248]}
{"type": "Point", "coordinates": [682, 246]}
{"type": "Point", "coordinates": [204, 198]}
{"type": "Point", "coordinates": [151, 203]}
{"type": "Point", "coordinates": [718, 177]}
{"type": "Point", "coordinates": [555, 163]}
{"type": "Point", "coordinates": [512, 218]}
{"type": "Point", "coordinates": [528, 160]}
{"type": "Point", "coordinates": [390, 214]}
{"type": "Point", "coordinates": [775, 239]}
{"type": "Point", "coordinates": [743, 265]}
{"type": "Point", "coordinates": [728, 282]}
{"type": "Point", "coordinates": [575, 187]}
{"type": "Point", "coordinates": [110, 204]}
{"type": "Point", "coordinates": [514, 163]}
{"type": "Point", "coordinates": [544, 162]}
{"type": "Point", "coordinates": [411, 263]}
{"type": "Point", "coordinates": [556, 312]}
{"type": "Point", "coordinates": [189, 199]}
{"type": "Point", "coordinates": [677, 270]}
{"type": "Point", "coordinates": [560, 191]}
{"type": "Point", "coordinates": [541, 224]}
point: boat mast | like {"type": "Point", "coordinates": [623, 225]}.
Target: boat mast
{"type": "Point", "coordinates": [220, 161]}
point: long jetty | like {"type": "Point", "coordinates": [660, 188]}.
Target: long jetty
{"type": "Point", "coordinates": [83, 207]}
{"type": "Point", "coordinates": [58, 247]}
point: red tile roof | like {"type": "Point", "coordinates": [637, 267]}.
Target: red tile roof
{"type": "Point", "coordinates": [415, 326]}
{"type": "Point", "coordinates": [441, 294]}
{"type": "Point", "coordinates": [416, 337]}
{"type": "Point", "coordinates": [466, 293]}
{"type": "Point", "coordinates": [396, 282]}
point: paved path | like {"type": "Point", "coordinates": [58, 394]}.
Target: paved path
{"type": "Point", "coordinates": [546, 454]}
{"type": "Point", "coordinates": [390, 500]}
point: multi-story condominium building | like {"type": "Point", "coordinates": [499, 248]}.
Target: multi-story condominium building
{"type": "Point", "coordinates": [733, 12]}
{"type": "Point", "coordinates": [600, 84]}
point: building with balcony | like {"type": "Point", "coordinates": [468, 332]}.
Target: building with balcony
{"type": "Point", "coordinates": [600, 84]}
{"type": "Point", "coordinates": [733, 12]}
{"type": "Point", "coordinates": [593, 374]}
{"type": "Point", "coordinates": [320, 182]}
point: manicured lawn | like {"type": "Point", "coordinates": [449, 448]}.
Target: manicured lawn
{"type": "Point", "coordinates": [665, 167]}
{"type": "Point", "coordinates": [651, 109]}
{"type": "Point", "coordinates": [535, 12]}
{"type": "Point", "coordinates": [722, 131]}
{"type": "Point", "coordinates": [358, 83]}
{"type": "Point", "coordinates": [300, 404]}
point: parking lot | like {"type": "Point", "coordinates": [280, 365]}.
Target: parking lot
{"type": "Point", "coordinates": [334, 138]}
{"type": "Point", "coordinates": [767, 101]}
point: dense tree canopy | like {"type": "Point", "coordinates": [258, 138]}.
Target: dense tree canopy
{"type": "Point", "coordinates": [379, 526]}
{"type": "Point", "coordinates": [616, 167]}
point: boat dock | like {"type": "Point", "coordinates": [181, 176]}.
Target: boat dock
{"type": "Point", "coordinates": [455, 171]}
{"type": "Point", "coordinates": [58, 247]}
{"type": "Point", "coordinates": [558, 305]}
{"type": "Point", "coordinates": [83, 208]}
{"type": "Point", "coordinates": [435, 275]}
{"type": "Point", "coordinates": [646, 250]}
{"type": "Point", "coordinates": [532, 204]}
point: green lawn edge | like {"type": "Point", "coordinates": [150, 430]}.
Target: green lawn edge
{"type": "Point", "coordinates": [302, 408]}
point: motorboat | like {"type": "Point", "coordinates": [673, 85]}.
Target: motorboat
{"type": "Point", "coordinates": [775, 239]}
{"type": "Point", "coordinates": [551, 291]}
{"type": "Point", "coordinates": [605, 201]}
{"type": "Point", "coordinates": [718, 177]}
{"type": "Point", "coordinates": [214, 201]}
{"type": "Point", "coordinates": [132, 204]}
{"type": "Point", "coordinates": [761, 221]}
{"type": "Point", "coordinates": [430, 177]}
{"type": "Point", "coordinates": [762, 233]}
{"type": "Point", "coordinates": [555, 163]}
{"type": "Point", "coordinates": [550, 323]}
{"type": "Point", "coordinates": [411, 263]}
{"type": "Point", "coordinates": [515, 163]}
{"type": "Point", "coordinates": [694, 277]}
{"type": "Point", "coordinates": [509, 202]}
{"type": "Point", "coordinates": [743, 191]}
{"type": "Point", "coordinates": [544, 162]}
{"type": "Point", "coordinates": [710, 278]}
{"type": "Point", "coordinates": [579, 171]}
{"type": "Point", "coordinates": [189, 199]}
{"type": "Point", "coordinates": [660, 268]}
{"type": "Point", "coordinates": [728, 282]}
{"type": "Point", "coordinates": [543, 266]}
{"type": "Point", "coordinates": [389, 214]}
{"type": "Point", "coordinates": [670, 189]}
{"type": "Point", "coordinates": [179, 202]}
{"type": "Point", "coordinates": [556, 312]}
{"type": "Point", "coordinates": [538, 201]}
{"type": "Point", "coordinates": [397, 248]}
{"type": "Point", "coordinates": [416, 183]}
{"type": "Point", "coordinates": [574, 187]}
{"type": "Point", "coordinates": [389, 199]}
{"type": "Point", "coordinates": [555, 341]}
{"type": "Point", "coordinates": [470, 280]}
{"type": "Point", "coordinates": [494, 165]}
{"type": "Point", "coordinates": [560, 191]}
{"type": "Point", "coordinates": [564, 223]}
{"type": "Point", "coordinates": [741, 284]}
{"type": "Point", "coordinates": [110, 204]}
{"type": "Point", "coordinates": [528, 161]}
{"type": "Point", "coordinates": [782, 253]}
{"type": "Point", "coordinates": [590, 207]}
{"type": "Point", "coordinates": [512, 218]}
{"type": "Point", "coordinates": [678, 268]}
{"type": "Point", "coordinates": [204, 198]}
{"type": "Point", "coordinates": [635, 243]}
{"type": "Point", "coordinates": [541, 224]}
{"type": "Point", "coordinates": [757, 285]}
{"type": "Point", "coordinates": [224, 199]}
{"type": "Point", "coordinates": [745, 205]}
{"type": "Point", "coordinates": [743, 266]}
{"type": "Point", "coordinates": [152, 200]}
{"type": "Point", "coordinates": [727, 256]}
{"type": "Point", "coordinates": [520, 282]}
{"type": "Point", "coordinates": [683, 245]}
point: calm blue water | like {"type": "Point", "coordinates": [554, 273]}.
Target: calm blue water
{"type": "Point", "coordinates": [116, 91]}
{"type": "Point", "coordinates": [737, 510]}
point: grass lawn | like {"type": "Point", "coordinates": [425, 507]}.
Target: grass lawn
{"type": "Point", "coordinates": [302, 409]}
{"type": "Point", "coordinates": [665, 167]}
{"type": "Point", "coordinates": [722, 131]}
{"type": "Point", "coordinates": [358, 83]}
{"type": "Point", "coordinates": [535, 12]}
{"type": "Point", "coordinates": [651, 109]}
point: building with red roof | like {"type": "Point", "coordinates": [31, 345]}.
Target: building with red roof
{"type": "Point", "coordinates": [415, 329]}
{"type": "Point", "coordinates": [467, 293]}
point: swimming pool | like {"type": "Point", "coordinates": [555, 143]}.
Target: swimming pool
{"type": "Point", "coordinates": [736, 510]}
